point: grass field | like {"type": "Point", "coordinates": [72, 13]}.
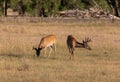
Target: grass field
{"type": "Point", "coordinates": [18, 62]}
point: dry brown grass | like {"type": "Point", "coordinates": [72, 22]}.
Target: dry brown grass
{"type": "Point", "coordinates": [18, 63]}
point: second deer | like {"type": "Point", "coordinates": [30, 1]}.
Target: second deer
{"type": "Point", "coordinates": [72, 43]}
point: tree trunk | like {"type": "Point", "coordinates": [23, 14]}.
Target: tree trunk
{"type": "Point", "coordinates": [40, 9]}
{"type": "Point", "coordinates": [114, 6]}
{"type": "Point", "coordinates": [5, 7]}
{"type": "Point", "coordinates": [115, 11]}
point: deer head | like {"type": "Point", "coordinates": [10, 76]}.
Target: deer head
{"type": "Point", "coordinates": [85, 43]}
{"type": "Point", "coordinates": [37, 50]}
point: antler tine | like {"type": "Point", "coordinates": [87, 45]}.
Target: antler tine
{"type": "Point", "coordinates": [88, 39]}
{"type": "Point", "coordinates": [33, 48]}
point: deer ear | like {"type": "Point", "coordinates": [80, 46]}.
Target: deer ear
{"type": "Point", "coordinates": [83, 41]}
{"type": "Point", "coordinates": [34, 48]}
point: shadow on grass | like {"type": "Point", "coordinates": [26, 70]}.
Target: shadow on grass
{"type": "Point", "coordinates": [12, 55]}
{"type": "Point", "coordinates": [104, 54]}
{"type": "Point", "coordinates": [29, 56]}
{"type": "Point", "coordinates": [44, 57]}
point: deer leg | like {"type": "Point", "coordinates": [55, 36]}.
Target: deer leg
{"type": "Point", "coordinates": [69, 50]}
{"type": "Point", "coordinates": [44, 52]}
{"type": "Point", "coordinates": [54, 48]}
{"type": "Point", "coordinates": [50, 51]}
{"type": "Point", "coordinates": [70, 57]}
{"type": "Point", "coordinates": [72, 52]}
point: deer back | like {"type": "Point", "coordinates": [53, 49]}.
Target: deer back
{"type": "Point", "coordinates": [47, 41]}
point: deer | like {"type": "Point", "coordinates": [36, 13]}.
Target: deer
{"type": "Point", "coordinates": [72, 43]}
{"type": "Point", "coordinates": [45, 43]}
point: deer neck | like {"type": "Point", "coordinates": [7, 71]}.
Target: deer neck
{"type": "Point", "coordinates": [79, 45]}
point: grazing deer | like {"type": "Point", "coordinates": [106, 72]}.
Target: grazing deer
{"type": "Point", "coordinates": [46, 42]}
{"type": "Point", "coordinates": [72, 43]}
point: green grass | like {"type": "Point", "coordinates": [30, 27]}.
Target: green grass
{"type": "Point", "coordinates": [18, 62]}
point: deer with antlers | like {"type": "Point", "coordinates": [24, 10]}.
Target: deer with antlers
{"type": "Point", "coordinates": [72, 43]}
{"type": "Point", "coordinates": [46, 42]}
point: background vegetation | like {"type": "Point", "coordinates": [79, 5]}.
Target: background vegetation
{"type": "Point", "coordinates": [51, 7]}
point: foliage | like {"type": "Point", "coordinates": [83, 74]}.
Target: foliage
{"type": "Point", "coordinates": [1, 8]}
{"type": "Point", "coordinates": [114, 5]}
{"type": "Point", "coordinates": [51, 7]}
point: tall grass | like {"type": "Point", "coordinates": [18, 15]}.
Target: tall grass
{"type": "Point", "coordinates": [18, 62]}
